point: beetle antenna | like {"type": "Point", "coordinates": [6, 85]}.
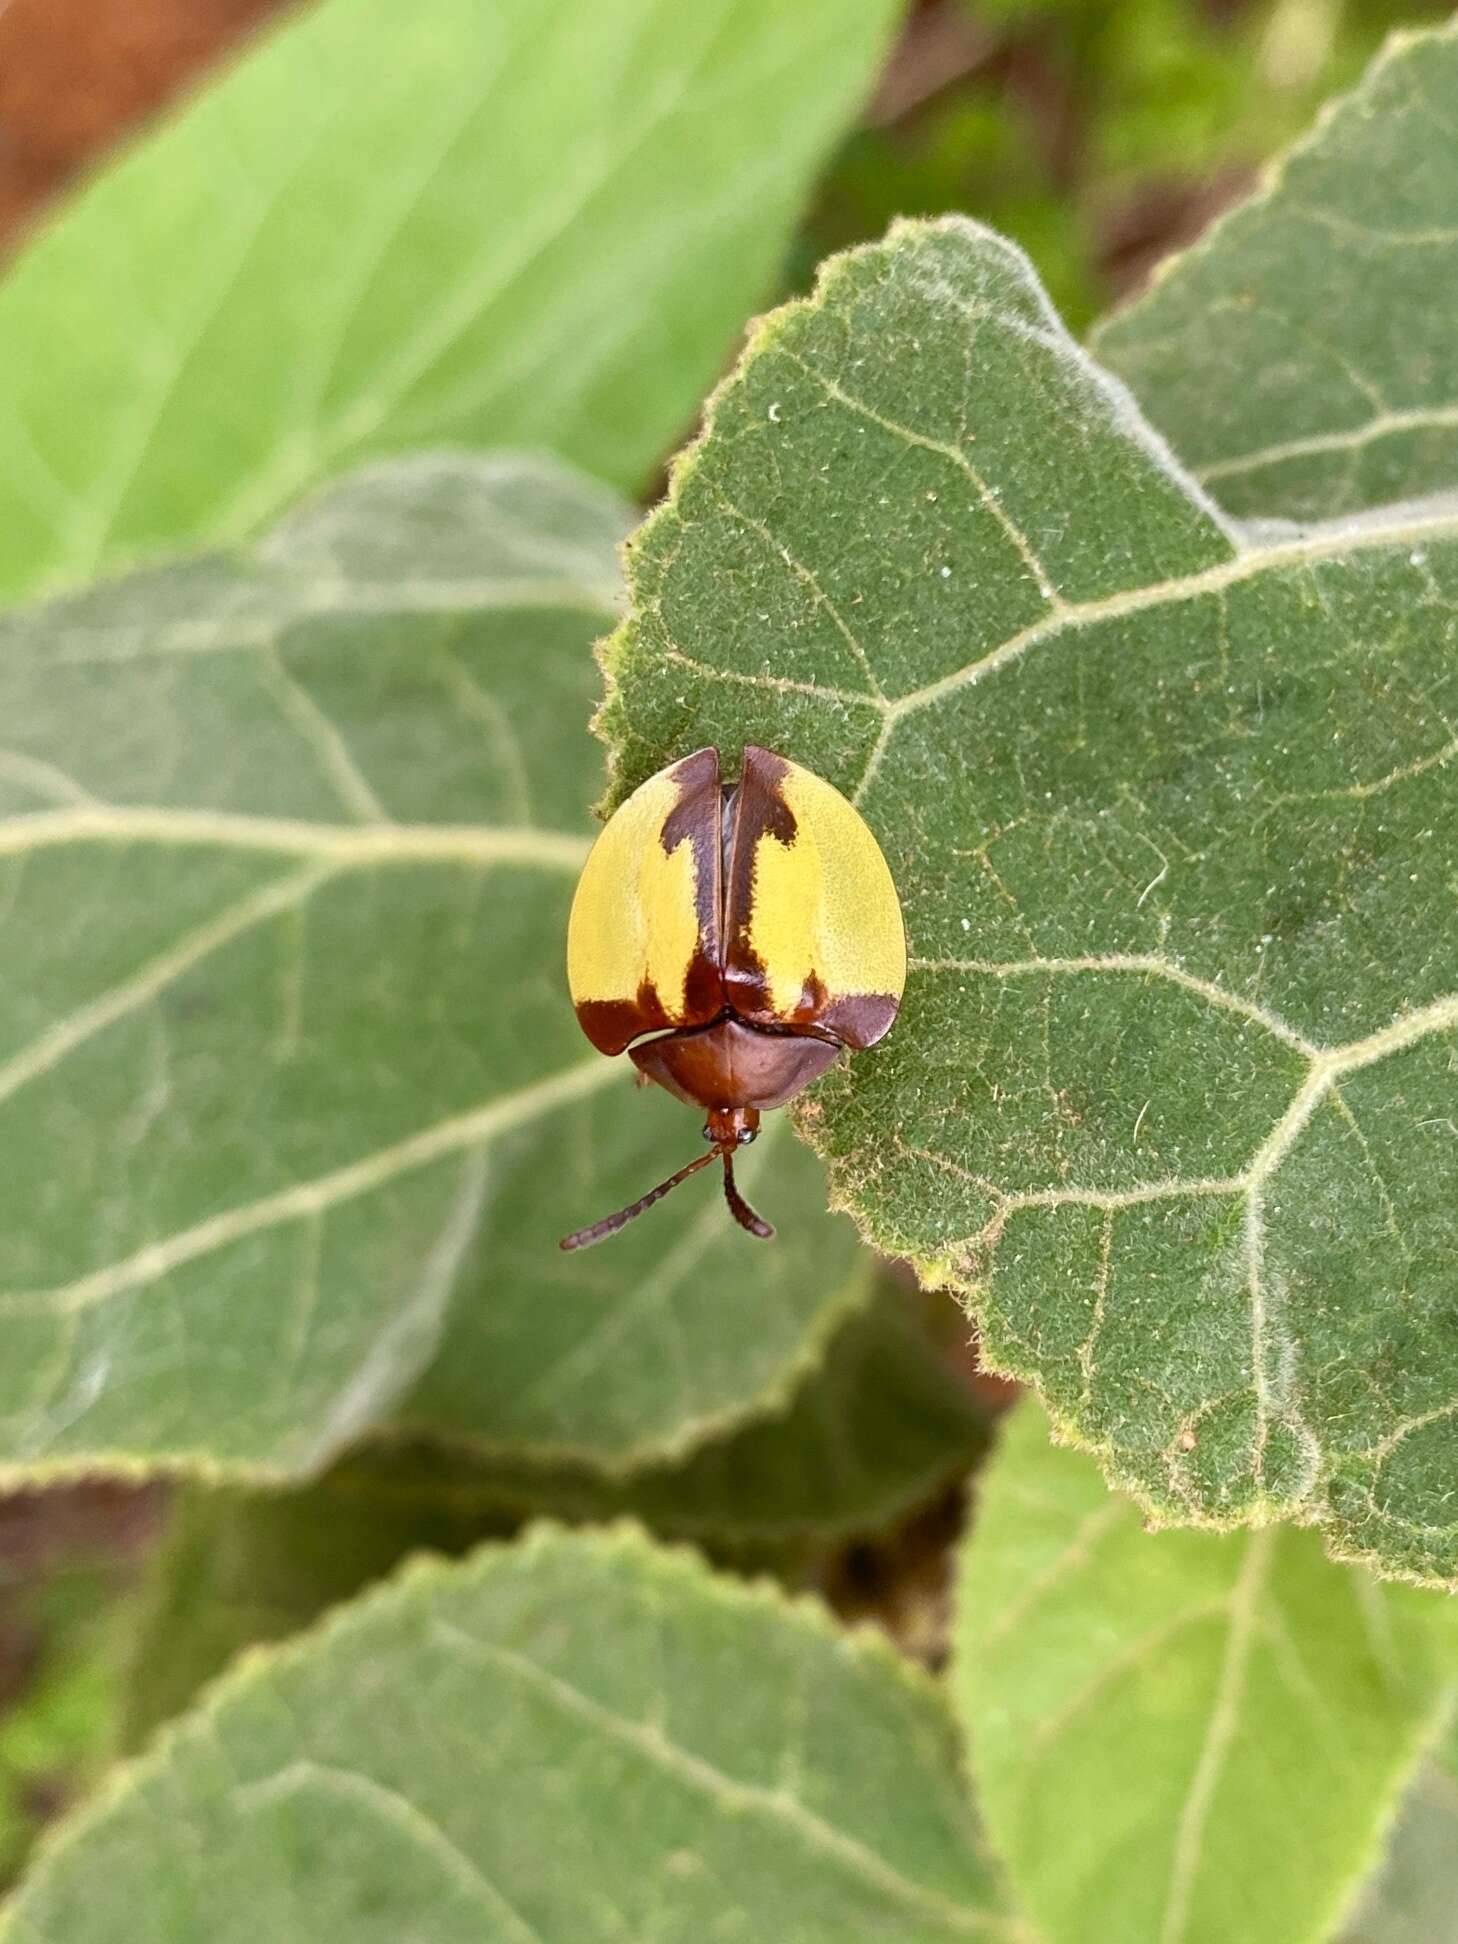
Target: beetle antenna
{"type": "Point", "coordinates": [584, 1238]}
{"type": "Point", "coordinates": [739, 1208]}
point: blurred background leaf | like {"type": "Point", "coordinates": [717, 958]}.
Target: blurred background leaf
{"type": "Point", "coordinates": [1413, 1897]}
{"type": "Point", "coordinates": [883, 1423]}
{"type": "Point", "coordinates": [1181, 1738]}
{"type": "Point", "coordinates": [293, 1105]}
{"type": "Point", "coordinates": [1099, 134]}
{"type": "Point", "coordinates": [1302, 359]}
{"type": "Point", "coordinates": [512, 224]}
{"type": "Point", "coordinates": [573, 1738]}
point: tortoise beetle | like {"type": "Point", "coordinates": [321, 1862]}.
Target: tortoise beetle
{"type": "Point", "coordinates": [732, 939]}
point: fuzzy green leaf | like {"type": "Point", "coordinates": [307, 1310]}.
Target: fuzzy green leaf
{"type": "Point", "coordinates": [1171, 808]}
{"type": "Point", "coordinates": [880, 1424]}
{"type": "Point", "coordinates": [512, 224]}
{"type": "Point", "coordinates": [572, 1739]}
{"type": "Point", "coordinates": [1302, 358]}
{"type": "Point", "coordinates": [293, 1105]}
{"type": "Point", "coordinates": [1260, 1705]}
{"type": "Point", "coordinates": [241, 1568]}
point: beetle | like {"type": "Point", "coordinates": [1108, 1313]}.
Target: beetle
{"type": "Point", "coordinates": [733, 939]}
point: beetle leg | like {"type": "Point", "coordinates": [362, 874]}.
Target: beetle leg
{"type": "Point", "coordinates": [739, 1208]}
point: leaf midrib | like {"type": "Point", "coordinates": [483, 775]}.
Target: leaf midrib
{"type": "Point", "coordinates": [456, 1134]}
{"type": "Point", "coordinates": [341, 844]}
{"type": "Point", "coordinates": [1220, 1729]}
{"type": "Point", "coordinates": [317, 600]}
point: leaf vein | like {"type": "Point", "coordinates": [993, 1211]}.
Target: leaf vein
{"type": "Point", "coordinates": [65, 1035]}
{"type": "Point", "coordinates": [1148, 964]}
{"type": "Point", "coordinates": [422, 1831]}
{"type": "Point", "coordinates": [336, 763]}
{"type": "Point", "coordinates": [357, 845]}
{"type": "Point", "coordinates": [1335, 540]}
{"type": "Point", "coordinates": [954, 454]}
{"type": "Point", "coordinates": [808, 577]}
{"type": "Point", "coordinates": [1219, 1734]}
{"type": "Point", "coordinates": [726, 1792]}
{"type": "Point", "coordinates": [304, 1200]}
{"type": "Point", "coordinates": [1380, 426]}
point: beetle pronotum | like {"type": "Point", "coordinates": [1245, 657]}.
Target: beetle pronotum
{"type": "Point", "coordinates": [732, 938]}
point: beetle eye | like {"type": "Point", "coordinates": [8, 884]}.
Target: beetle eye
{"type": "Point", "coordinates": [746, 1135]}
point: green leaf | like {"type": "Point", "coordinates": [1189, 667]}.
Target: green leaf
{"type": "Point", "coordinates": [1302, 358]}
{"type": "Point", "coordinates": [1222, 1674]}
{"type": "Point", "coordinates": [868, 1430]}
{"type": "Point", "coordinates": [514, 224]}
{"type": "Point", "coordinates": [293, 1105]}
{"type": "Point", "coordinates": [573, 1739]}
{"type": "Point", "coordinates": [1413, 1898]}
{"type": "Point", "coordinates": [241, 1569]}
{"type": "Point", "coordinates": [872, 1432]}
{"type": "Point", "coordinates": [1171, 1094]}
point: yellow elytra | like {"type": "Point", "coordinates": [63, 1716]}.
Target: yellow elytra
{"type": "Point", "coordinates": [822, 905]}
{"type": "Point", "coordinates": [634, 919]}
{"type": "Point", "coordinates": [793, 922]}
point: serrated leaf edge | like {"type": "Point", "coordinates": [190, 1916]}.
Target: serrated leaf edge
{"type": "Point", "coordinates": [676, 1566]}
{"type": "Point", "coordinates": [967, 1267]}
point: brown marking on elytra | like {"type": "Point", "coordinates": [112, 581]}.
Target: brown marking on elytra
{"type": "Point", "coordinates": [697, 819]}
{"type": "Point", "coordinates": [859, 1019]}
{"type": "Point", "coordinates": [696, 814]}
{"type": "Point", "coordinates": [756, 810]}
{"type": "Point", "coordinates": [613, 1024]}
{"type": "Point", "coordinates": [725, 823]}
{"type": "Point", "coordinates": [855, 1019]}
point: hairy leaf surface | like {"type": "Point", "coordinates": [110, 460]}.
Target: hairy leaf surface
{"type": "Point", "coordinates": [512, 224]}
{"type": "Point", "coordinates": [1302, 358]}
{"type": "Point", "coordinates": [572, 1739]}
{"type": "Point", "coordinates": [1259, 1704]}
{"type": "Point", "coordinates": [293, 1105]}
{"type": "Point", "coordinates": [1171, 807]}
